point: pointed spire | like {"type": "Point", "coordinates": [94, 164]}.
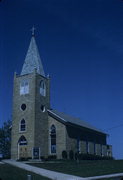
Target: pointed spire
{"type": "Point", "coordinates": [32, 60]}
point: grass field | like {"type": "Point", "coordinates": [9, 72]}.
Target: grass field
{"type": "Point", "coordinates": [8, 172]}
{"type": "Point", "coordinates": [85, 168]}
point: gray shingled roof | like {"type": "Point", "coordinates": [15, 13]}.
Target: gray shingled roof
{"type": "Point", "coordinates": [69, 119]}
{"type": "Point", "coordinates": [32, 60]}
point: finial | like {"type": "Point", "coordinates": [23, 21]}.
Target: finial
{"type": "Point", "coordinates": [33, 30]}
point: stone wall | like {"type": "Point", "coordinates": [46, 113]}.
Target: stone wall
{"type": "Point", "coordinates": [19, 114]}
{"type": "Point", "coordinates": [36, 131]}
{"type": "Point", "coordinates": [41, 116]}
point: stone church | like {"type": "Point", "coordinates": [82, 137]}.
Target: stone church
{"type": "Point", "coordinates": [40, 131]}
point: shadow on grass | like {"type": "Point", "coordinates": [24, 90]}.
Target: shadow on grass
{"type": "Point", "coordinates": [8, 172]}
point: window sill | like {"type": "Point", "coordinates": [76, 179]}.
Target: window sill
{"type": "Point", "coordinates": [22, 132]}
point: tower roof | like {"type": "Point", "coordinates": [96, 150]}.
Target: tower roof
{"type": "Point", "coordinates": [32, 60]}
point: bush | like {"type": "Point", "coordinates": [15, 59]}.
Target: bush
{"type": "Point", "coordinates": [71, 155]}
{"type": "Point", "coordinates": [92, 157]}
{"type": "Point", "coordinates": [64, 154]}
{"type": "Point", "coordinates": [76, 156]}
{"type": "Point", "coordinates": [52, 157]}
{"type": "Point", "coordinates": [42, 158]}
{"type": "Point", "coordinates": [24, 159]}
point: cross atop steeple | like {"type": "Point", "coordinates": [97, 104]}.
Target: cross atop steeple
{"type": "Point", "coordinates": [33, 30]}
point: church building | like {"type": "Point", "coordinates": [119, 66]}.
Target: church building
{"type": "Point", "coordinates": [40, 131]}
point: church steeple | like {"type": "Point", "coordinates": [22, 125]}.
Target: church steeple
{"type": "Point", "coordinates": [32, 60]}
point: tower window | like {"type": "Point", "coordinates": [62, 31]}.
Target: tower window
{"type": "Point", "coordinates": [24, 87]}
{"type": "Point", "coordinates": [42, 88]}
{"type": "Point", "coordinates": [22, 125]}
{"type": "Point", "coordinates": [53, 138]}
{"type": "Point", "coordinates": [23, 107]}
{"type": "Point", "coordinates": [42, 108]}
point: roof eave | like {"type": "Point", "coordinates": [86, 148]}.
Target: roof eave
{"type": "Point", "coordinates": [78, 126]}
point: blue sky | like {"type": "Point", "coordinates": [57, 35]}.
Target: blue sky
{"type": "Point", "coordinates": [81, 47]}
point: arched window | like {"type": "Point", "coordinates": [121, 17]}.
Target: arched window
{"type": "Point", "coordinates": [42, 88]}
{"type": "Point", "coordinates": [22, 125]}
{"type": "Point", "coordinates": [53, 138]}
{"type": "Point", "coordinates": [24, 87]}
{"type": "Point", "coordinates": [22, 141]}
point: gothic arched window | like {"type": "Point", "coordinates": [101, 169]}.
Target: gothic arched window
{"type": "Point", "coordinates": [22, 141]}
{"type": "Point", "coordinates": [24, 87]}
{"type": "Point", "coordinates": [53, 138]}
{"type": "Point", "coordinates": [22, 125]}
{"type": "Point", "coordinates": [42, 88]}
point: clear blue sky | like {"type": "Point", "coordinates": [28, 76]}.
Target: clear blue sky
{"type": "Point", "coordinates": [81, 46]}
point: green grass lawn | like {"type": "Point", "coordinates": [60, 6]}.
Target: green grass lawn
{"type": "Point", "coordinates": [8, 172]}
{"type": "Point", "coordinates": [85, 168]}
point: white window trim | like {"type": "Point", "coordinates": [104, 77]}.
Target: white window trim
{"type": "Point", "coordinates": [24, 89]}
{"type": "Point", "coordinates": [43, 90]}
{"type": "Point", "coordinates": [39, 153]}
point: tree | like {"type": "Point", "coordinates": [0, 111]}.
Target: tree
{"type": "Point", "coordinates": [5, 139]}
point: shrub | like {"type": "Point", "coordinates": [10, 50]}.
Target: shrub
{"type": "Point", "coordinates": [64, 154]}
{"type": "Point", "coordinates": [71, 155]}
{"type": "Point", "coordinates": [24, 159]}
{"type": "Point", "coordinates": [92, 157]}
{"type": "Point", "coordinates": [76, 156]}
{"type": "Point", "coordinates": [52, 157]}
{"type": "Point", "coordinates": [42, 158]}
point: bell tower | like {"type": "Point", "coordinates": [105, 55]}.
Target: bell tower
{"type": "Point", "coordinates": [31, 99]}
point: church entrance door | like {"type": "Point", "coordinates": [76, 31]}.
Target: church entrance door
{"type": "Point", "coordinates": [23, 152]}
{"type": "Point", "coordinates": [22, 148]}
